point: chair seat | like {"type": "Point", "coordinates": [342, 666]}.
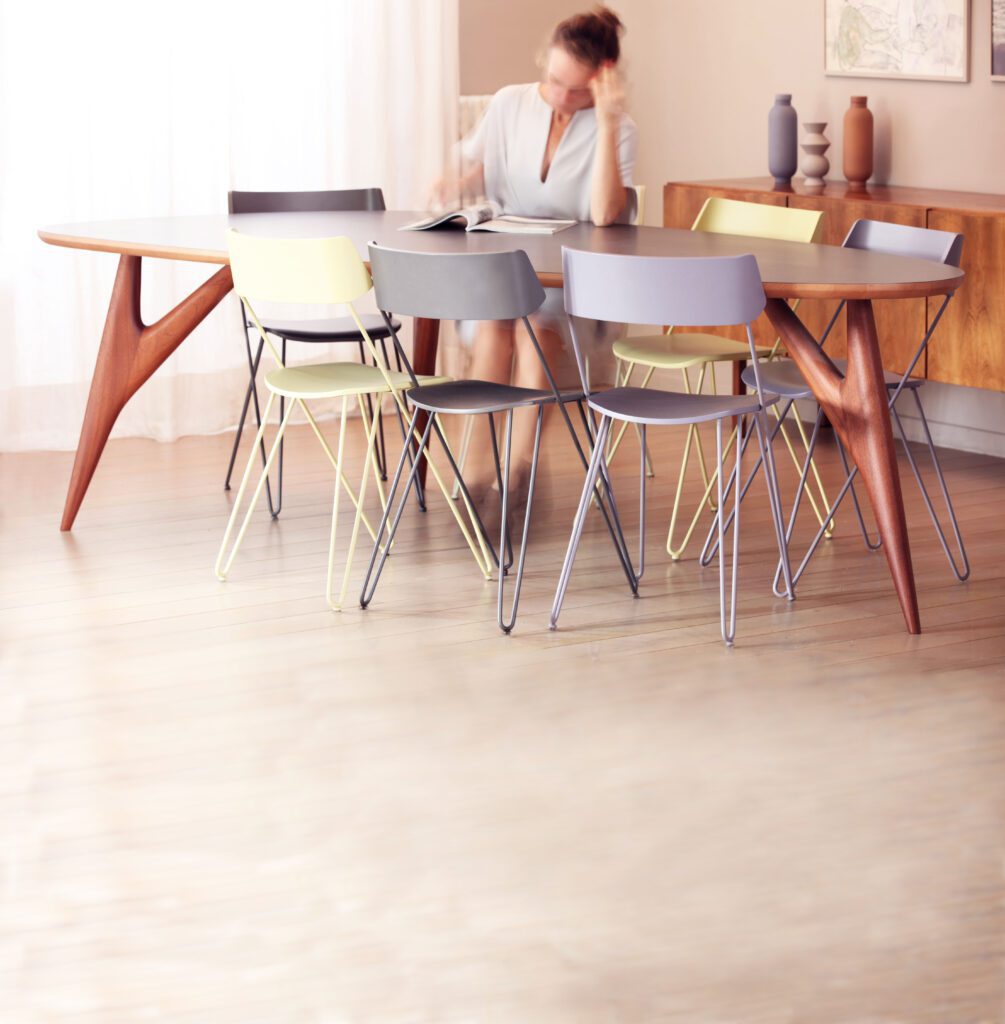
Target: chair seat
{"type": "Point", "coordinates": [783, 377]}
{"type": "Point", "coordinates": [678, 351]}
{"type": "Point", "coordinates": [892, 379]}
{"type": "Point", "coordinates": [780, 377]}
{"type": "Point", "coordinates": [669, 408]}
{"type": "Point", "coordinates": [470, 397]}
{"type": "Point", "coordinates": [333, 380]}
{"type": "Point", "coordinates": [341, 328]}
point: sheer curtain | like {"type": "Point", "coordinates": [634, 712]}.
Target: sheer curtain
{"type": "Point", "coordinates": [116, 109]}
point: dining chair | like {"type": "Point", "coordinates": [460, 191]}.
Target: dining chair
{"type": "Point", "coordinates": [717, 291]}
{"type": "Point", "coordinates": [700, 351]}
{"type": "Point", "coordinates": [338, 329]}
{"type": "Point", "coordinates": [784, 378]}
{"type": "Point", "coordinates": [314, 271]}
{"type": "Point", "coordinates": [461, 286]}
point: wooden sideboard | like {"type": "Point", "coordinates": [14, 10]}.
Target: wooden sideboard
{"type": "Point", "coordinates": [969, 345]}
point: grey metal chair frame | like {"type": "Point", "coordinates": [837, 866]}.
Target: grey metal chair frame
{"type": "Point", "coordinates": [894, 239]}
{"type": "Point", "coordinates": [305, 201]}
{"type": "Point", "coordinates": [476, 286]}
{"type": "Point", "coordinates": [644, 290]}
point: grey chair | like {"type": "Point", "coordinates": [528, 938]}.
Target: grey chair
{"type": "Point", "coordinates": [338, 329]}
{"type": "Point", "coordinates": [647, 290]}
{"type": "Point", "coordinates": [475, 286]}
{"type": "Point", "coordinates": [784, 378]}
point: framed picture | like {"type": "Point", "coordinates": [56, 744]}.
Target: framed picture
{"type": "Point", "coordinates": [925, 39]}
{"type": "Point", "coordinates": [998, 41]}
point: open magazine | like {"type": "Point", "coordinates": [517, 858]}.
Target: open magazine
{"type": "Point", "coordinates": [489, 217]}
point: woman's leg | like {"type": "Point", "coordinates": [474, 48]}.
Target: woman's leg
{"type": "Point", "coordinates": [529, 373]}
{"type": "Point", "coordinates": [492, 359]}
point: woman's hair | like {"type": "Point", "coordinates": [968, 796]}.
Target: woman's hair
{"type": "Point", "coordinates": [592, 38]}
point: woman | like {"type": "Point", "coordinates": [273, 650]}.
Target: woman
{"type": "Point", "coordinates": [563, 147]}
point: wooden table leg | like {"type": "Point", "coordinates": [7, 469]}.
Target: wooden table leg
{"type": "Point", "coordinates": [857, 407]}
{"type": "Point", "coordinates": [130, 352]}
{"type": "Point", "coordinates": [425, 341]}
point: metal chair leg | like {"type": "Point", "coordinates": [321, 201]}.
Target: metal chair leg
{"type": "Point", "coordinates": [577, 525]}
{"type": "Point", "coordinates": [507, 625]}
{"type": "Point", "coordinates": [506, 544]}
{"type": "Point", "coordinates": [375, 567]}
{"type": "Point", "coordinates": [961, 573]}
{"type": "Point", "coordinates": [727, 613]}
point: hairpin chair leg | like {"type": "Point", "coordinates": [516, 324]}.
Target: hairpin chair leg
{"type": "Point", "coordinates": [960, 571]}
{"type": "Point", "coordinates": [224, 562]}
{"type": "Point", "coordinates": [253, 363]}
{"type": "Point", "coordinates": [623, 380]}
{"type": "Point", "coordinates": [371, 452]}
{"type": "Point", "coordinates": [370, 458]}
{"type": "Point", "coordinates": [850, 473]}
{"type": "Point", "coordinates": [506, 544]}
{"type": "Point", "coordinates": [507, 625]}
{"type": "Point", "coordinates": [727, 612]}
{"type": "Point", "coordinates": [774, 499]}
{"type": "Point", "coordinates": [577, 525]}
{"type": "Point", "coordinates": [378, 556]}
{"type": "Point", "coordinates": [278, 507]}
{"type": "Point", "coordinates": [611, 520]}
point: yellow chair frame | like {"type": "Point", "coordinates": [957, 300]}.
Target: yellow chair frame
{"type": "Point", "coordinates": [700, 351]}
{"type": "Point", "coordinates": [321, 271]}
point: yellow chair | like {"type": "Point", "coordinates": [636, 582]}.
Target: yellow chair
{"type": "Point", "coordinates": [690, 350]}
{"type": "Point", "coordinates": [321, 271]}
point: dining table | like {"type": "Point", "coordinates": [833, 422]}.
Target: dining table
{"type": "Point", "coordinates": [855, 401]}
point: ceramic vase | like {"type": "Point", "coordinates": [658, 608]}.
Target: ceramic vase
{"type": "Point", "coordinates": [815, 165]}
{"type": "Point", "coordinates": [857, 153]}
{"type": "Point", "coordinates": [783, 151]}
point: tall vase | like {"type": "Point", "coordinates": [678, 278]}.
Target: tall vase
{"type": "Point", "coordinates": [783, 153]}
{"type": "Point", "coordinates": [858, 127]}
{"type": "Point", "coordinates": [815, 165]}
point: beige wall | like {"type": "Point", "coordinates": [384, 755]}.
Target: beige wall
{"type": "Point", "coordinates": [704, 74]}
{"type": "Point", "coordinates": [500, 40]}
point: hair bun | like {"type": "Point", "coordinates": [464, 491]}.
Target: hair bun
{"type": "Point", "coordinates": [592, 38]}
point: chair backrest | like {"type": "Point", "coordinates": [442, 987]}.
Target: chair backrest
{"type": "Point", "coordinates": [904, 240]}
{"type": "Point", "coordinates": [687, 291]}
{"type": "Point", "coordinates": [334, 201]}
{"type": "Point", "coordinates": [455, 286]}
{"type": "Point", "coordinates": [758, 220]}
{"type": "Point", "coordinates": [639, 216]}
{"type": "Point", "coordinates": [298, 270]}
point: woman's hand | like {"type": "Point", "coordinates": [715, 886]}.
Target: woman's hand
{"type": "Point", "coordinates": [608, 90]}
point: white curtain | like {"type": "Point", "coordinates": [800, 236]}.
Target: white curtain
{"type": "Point", "coordinates": [115, 109]}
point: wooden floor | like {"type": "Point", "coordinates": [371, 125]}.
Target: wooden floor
{"type": "Point", "coordinates": [224, 803]}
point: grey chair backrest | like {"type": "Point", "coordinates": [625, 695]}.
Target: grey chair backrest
{"type": "Point", "coordinates": [332, 201]}
{"type": "Point", "coordinates": [904, 240]}
{"type": "Point", "coordinates": [455, 286]}
{"type": "Point", "coordinates": [683, 291]}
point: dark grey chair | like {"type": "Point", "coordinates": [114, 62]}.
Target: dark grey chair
{"type": "Point", "coordinates": [338, 329]}
{"type": "Point", "coordinates": [784, 378]}
{"type": "Point", "coordinates": [717, 291]}
{"type": "Point", "coordinates": [475, 286]}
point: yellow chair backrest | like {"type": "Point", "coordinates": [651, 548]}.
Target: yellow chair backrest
{"type": "Point", "coordinates": [758, 220]}
{"type": "Point", "coordinates": [297, 270]}
{"type": "Point", "coordinates": [640, 204]}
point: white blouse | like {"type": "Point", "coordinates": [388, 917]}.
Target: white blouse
{"type": "Point", "coordinates": [510, 141]}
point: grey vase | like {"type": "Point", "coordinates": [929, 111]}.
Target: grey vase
{"type": "Point", "coordinates": [783, 153]}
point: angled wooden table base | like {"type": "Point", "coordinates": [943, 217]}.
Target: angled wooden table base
{"type": "Point", "coordinates": [130, 352]}
{"type": "Point", "coordinates": [857, 407]}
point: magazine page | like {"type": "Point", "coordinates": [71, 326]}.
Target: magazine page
{"type": "Point", "coordinates": [512, 224]}
{"type": "Point", "coordinates": [469, 216]}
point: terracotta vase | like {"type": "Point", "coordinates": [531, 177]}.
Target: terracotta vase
{"type": "Point", "coordinates": [858, 143]}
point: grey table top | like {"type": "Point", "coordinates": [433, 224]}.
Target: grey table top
{"type": "Point", "coordinates": [789, 269]}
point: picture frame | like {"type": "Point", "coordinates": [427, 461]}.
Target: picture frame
{"type": "Point", "coordinates": [886, 39]}
{"type": "Point", "coordinates": [998, 41]}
